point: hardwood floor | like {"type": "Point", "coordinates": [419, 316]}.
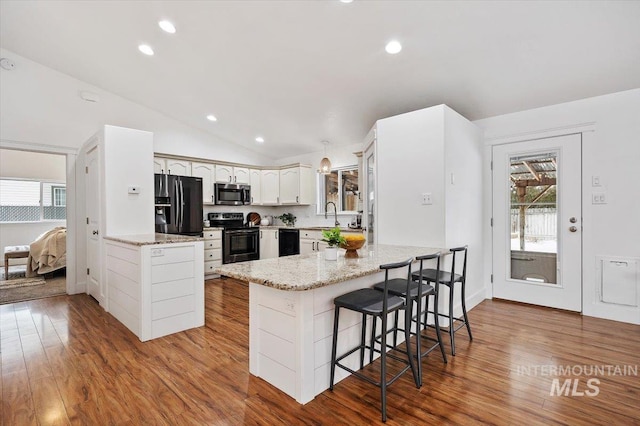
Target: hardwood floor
{"type": "Point", "coordinates": [64, 360]}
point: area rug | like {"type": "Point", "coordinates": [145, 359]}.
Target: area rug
{"type": "Point", "coordinates": [21, 289]}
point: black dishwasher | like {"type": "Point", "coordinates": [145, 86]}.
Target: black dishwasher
{"type": "Point", "coordinates": [289, 241]}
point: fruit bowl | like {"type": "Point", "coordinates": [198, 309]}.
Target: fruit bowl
{"type": "Point", "coordinates": [353, 243]}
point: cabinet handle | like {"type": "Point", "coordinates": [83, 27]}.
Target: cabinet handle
{"type": "Point", "coordinates": [235, 178]}
{"type": "Point", "coordinates": [313, 246]}
{"type": "Point", "coordinates": [168, 171]}
{"type": "Point", "coordinates": [251, 200]}
{"type": "Point", "coordinates": [276, 234]}
{"type": "Point", "coordinates": [278, 200]}
{"type": "Point", "coordinates": [260, 234]}
{"type": "Point", "coordinates": [296, 198]}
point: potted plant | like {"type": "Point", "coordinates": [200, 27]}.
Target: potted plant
{"type": "Point", "coordinates": [288, 219]}
{"type": "Point", "coordinates": [334, 239]}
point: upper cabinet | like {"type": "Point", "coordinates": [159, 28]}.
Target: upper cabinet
{"type": "Point", "coordinates": [296, 186]}
{"type": "Point", "coordinates": [232, 174]}
{"type": "Point", "coordinates": [255, 180]}
{"type": "Point", "coordinates": [206, 171]}
{"type": "Point", "coordinates": [289, 185]}
{"type": "Point", "coordinates": [270, 191]}
{"type": "Point", "coordinates": [171, 166]}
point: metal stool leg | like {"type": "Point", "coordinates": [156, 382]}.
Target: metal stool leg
{"type": "Point", "coordinates": [451, 328]}
{"type": "Point", "coordinates": [362, 337]}
{"type": "Point", "coordinates": [334, 346]}
{"type": "Point", "coordinates": [464, 312]}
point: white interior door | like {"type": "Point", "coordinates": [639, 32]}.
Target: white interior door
{"type": "Point", "coordinates": [93, 224]}
{"type": "Point", "coordinates": [537, 217]}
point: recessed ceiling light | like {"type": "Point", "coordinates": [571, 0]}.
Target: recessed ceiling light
{"type": "Point", "coordinates": [346, 1]}
{"type": "Point", "coordinates": [211, 117]}
{"type": "Point", "coordinates": [167, 27]}
{"type": "Point", "coordinates": [393, 47]}
{"type": "Point", "coordinates": [146, 49]}
{"type": "Point", "coordinates": [260, 139]}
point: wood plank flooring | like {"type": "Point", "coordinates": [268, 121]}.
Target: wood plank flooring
{"type": "Point", "coordinates": [65, 361]}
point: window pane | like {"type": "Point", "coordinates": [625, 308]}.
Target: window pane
{"type": "Point", "coordinates": [331, 188]}
{"type": "Point", "coordinates": [54, 201]}
{"type": "Point", "coordinates": [349, 190]}
{"type": "Point", "coordinates": [534, 218]}
{"type": "Point", "coordinates": [19, 201]}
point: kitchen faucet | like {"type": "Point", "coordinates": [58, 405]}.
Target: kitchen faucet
{"type": "Point", "coordinates": [335, 212]}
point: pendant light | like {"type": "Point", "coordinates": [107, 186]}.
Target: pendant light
{"type": "Point", "coordinates": [325, 164]}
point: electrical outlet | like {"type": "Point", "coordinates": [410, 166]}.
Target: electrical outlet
{"type": "Point", "coordinates": [426, 198]}
{"type": "Point", "coordinates": [290, 305]}
{"type": "Point", "coordinates": [598, 198]}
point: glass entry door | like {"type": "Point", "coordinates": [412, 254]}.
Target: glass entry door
{"type": "Point", "coordinates": [537, 235]}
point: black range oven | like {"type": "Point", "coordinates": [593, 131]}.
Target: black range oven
{"type": "Point", "coordinates": [239, 243]}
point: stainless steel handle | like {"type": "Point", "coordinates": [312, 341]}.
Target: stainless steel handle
{"type": "Point", "coordinates": [95, 232]}
{"type": "Point", "coordinates": [573, 228]}
{"type": "Point", "coordinates": [235, 178]}
{"type": "Point", "coordinates": [573, 220]}
{"type": "Point", "coordinates": [296, 198]}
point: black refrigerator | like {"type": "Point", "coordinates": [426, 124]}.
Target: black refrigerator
{"type": "Point", "coordinates": [178, 204]}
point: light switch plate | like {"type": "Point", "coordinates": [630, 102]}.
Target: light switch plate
{"type": "Point", "coordinates": [595, 181]}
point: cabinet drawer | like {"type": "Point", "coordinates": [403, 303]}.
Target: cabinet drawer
{"type": "Point", "coordinates": [311, 235]}
{"type": "Point", "coordinates": [208, 266]}
{"type": "Point", "coordinates": [215, 254]}
{"type": "Point", "coordinates": [212, 235]}
{"type": "Point", "coordinates": [212, 244]}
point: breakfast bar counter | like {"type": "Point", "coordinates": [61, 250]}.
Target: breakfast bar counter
{"type": "Point", "coordinates": [291, 313]}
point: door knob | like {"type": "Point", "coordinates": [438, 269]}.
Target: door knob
{"type": "Point", "coordinates": [95, 232]}
{"type": "Point", "coordinates": [573, 220]}
{"type": "Point", "coordinates": [573, 228]}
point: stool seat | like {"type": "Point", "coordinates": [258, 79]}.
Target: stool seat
{"type": "Point", "coordinates": [398, 287]}
{"type": "Point", "coordinates": [16, 251]}
{"type": "Point", "coordinates": [368, 300]}
{"type": "Point", "coordinates": [13, 252]}
{"type": "Point", "coordinates": [429, 275]}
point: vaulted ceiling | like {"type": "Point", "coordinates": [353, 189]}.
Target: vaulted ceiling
{"type": "Point", "coordinates": [299, 72]}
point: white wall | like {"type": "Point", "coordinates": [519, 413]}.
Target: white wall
{"type": "Point", "coordinates": [128, 161]}
{"type": "Point", "coordinates": [410, 162]}
{"type": "Point", "coordinates": [41, 105]}
{"type": "Point", "coordinates": [32, 165]}
{"type": "Point", "coordinates": [611, 152]}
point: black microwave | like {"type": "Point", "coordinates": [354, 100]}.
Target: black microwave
{"type": "Point", "coordinates": [231, 194]}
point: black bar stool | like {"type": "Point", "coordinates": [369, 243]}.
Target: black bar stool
{"type": "Point", "coordinates": [376, 303]}
{"type": "Point", "coordinates": [449, 279]}
{"type": "Point", "coordinates": [417, 290]}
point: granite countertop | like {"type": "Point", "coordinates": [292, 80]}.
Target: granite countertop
{"type": "Point", "coordinates": [309, 271]}
{"type": "Point", "coordinates": [212, 228]}
{"type": "Point", "coordinates": [150, 239]}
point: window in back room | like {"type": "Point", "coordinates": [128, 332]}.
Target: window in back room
{"type": "Point", "coordinates": [32, 187]}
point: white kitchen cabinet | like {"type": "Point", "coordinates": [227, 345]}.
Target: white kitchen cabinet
{"type": "Point", "coordinates": [206, 171]}
{"type": "Point", "coordinates": [159, 165]}
{"type": "Point", "coordinates": [310, 242]}
{"type": "Point", "coordinates": [255, 180]}
{"type": "Point", "coordinates": [296, 186]}
{"type": "Point", "coordinates": [270, 187]}
{"type": "Point", "coordinates": [230, 174]}
{"type": "Point", "coordinates": [178, 167]}
{"type": "Point", "coordinates": [212, 251]}
{"type": "Point", "coordinates": [269, 247]}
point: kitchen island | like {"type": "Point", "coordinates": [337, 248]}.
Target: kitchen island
{"type": "Point", "coordinates": [155, 283]}
{"type": "Point", "coordinates": [291, 313]}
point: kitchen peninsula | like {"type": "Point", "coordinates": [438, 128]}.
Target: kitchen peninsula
{"type": "Point", "coordinates": [291, 313]}
{"type": "Point", "coordinates": [155, 282]}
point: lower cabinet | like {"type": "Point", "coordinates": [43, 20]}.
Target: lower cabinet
{"type": "Point", "coordinates": [311, 242]}
{"type": "Point", "coordinates": [212, 252]}
{"type": "Point", "coordinates": [269, 247]}
{"type": "Point", "coordinates": [155, 289]}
